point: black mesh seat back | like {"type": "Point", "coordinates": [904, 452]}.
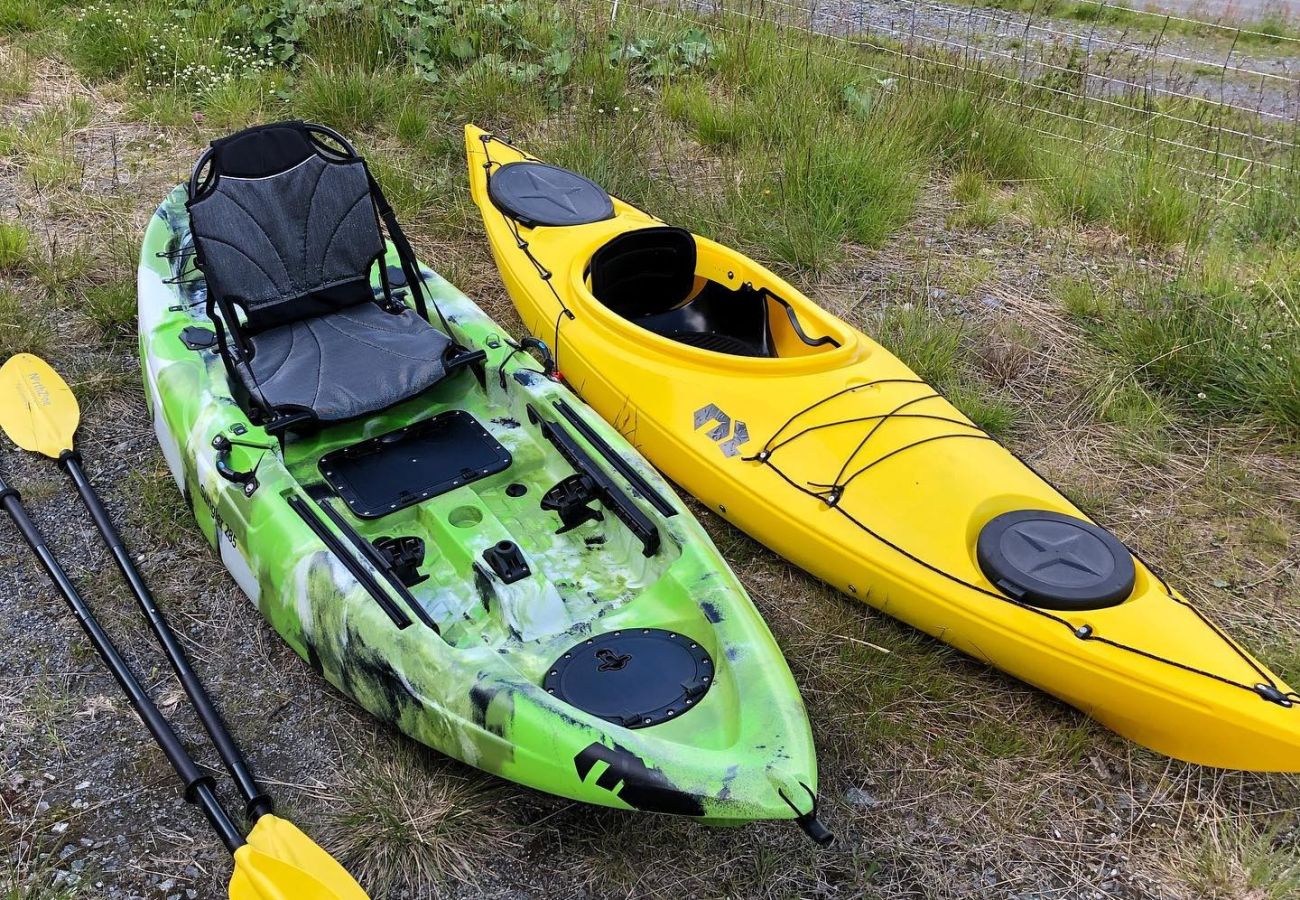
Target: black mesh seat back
{"type": "Point", "coordinates": [644, 272]}
{"type": "Point", "coordinates": [285, 229]}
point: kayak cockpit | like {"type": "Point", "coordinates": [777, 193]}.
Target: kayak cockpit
{"type": "Point", "coordinates": [666, 280]}
{"type": "Point", "coordinates": [656, 279]}
{"type": "Point", "coordinates": [670, 283]}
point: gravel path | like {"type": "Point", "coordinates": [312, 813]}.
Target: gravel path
{"type": "Point", "coordinates": [1258, 78]}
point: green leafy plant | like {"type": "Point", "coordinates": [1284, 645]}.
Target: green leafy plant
{"type": "Point", "coordinates": [657, 57]}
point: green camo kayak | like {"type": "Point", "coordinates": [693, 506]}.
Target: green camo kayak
{"type": "Point", "coordinates": [488, 566]}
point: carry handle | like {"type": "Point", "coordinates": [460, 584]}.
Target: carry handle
{"type": "Point", "coordinates": [223, 446]}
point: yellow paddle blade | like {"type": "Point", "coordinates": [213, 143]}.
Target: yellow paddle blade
{"type": "Point", "coordinates": [37, 408]}
{"type": "Point", "coordinates": [279, 862]}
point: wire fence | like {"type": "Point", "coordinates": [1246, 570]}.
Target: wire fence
{"type": "Point", "coordinates": [1222, 101]}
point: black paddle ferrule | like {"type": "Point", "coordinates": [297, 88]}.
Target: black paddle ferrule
{"type": "Point", "coordinates": [261, 805]}
{"type": "Point", "coordinates": [194, 780]}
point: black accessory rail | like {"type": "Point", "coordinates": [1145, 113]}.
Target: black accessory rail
{"type": "Point", "coordinates": [358, 571]}
{"type": "Point", "coordinates": [638, 481]}
{"type": "Point", "coordinates": [606, 490]}
{"type": "Point", "coordinates": [382, 563]}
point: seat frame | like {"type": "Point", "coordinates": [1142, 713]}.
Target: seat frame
{"type": "Point", "coordinates": [233, 344]}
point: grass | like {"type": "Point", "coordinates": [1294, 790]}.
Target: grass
{"type": "Point", "coordinates": [1238, 861]}
{"type": "Point", "coordinates": [45, 144]}
{"type": "Point", "coordinates": [15, 247]}
{"type": "Point", "coordinates": [713, 122]}
{"type": "Point", "coordinates": [1142, 199]}
{"type": "Point", "coordinates": [1144, 357]}
{"type": "Point", "coordinates": [21, 15]}
{"type": "Point", "coordinates": [929, 346]}
{"type": "Point", "coordinates": [349, 99]}
{"type": "Point", "coordinates": [24, 326]}
{"type": "Point", "coordinates": [970, 133]}
{"type": "Point", "coordinates": [111, 307]}
{"type": "Point", "coordinates": [15, 76]}
{"type": "Point", "coordinates": [1208, 340]}
{"type": "Point", "coordinates": [406, 822]}
{"type": "Point", "coordinates": [938, 352]}
{"type": "Point", "coordinates": [157, 506]}
{"type": "Point", "coordinates": [980, 206]}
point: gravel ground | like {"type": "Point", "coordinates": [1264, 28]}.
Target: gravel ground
{"type": "Point", "coordinates": [1245, 11]}
{"type": "Point", "coordinates": [1251, 77]}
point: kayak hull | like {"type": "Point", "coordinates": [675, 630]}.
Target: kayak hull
{"type": "Point", "coordinates": [763, 441]}
{"type": "Point", "coordinates": [464, 674]}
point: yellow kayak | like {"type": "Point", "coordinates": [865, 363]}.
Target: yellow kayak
{"type": "Point", "coordinates": [822, 445]}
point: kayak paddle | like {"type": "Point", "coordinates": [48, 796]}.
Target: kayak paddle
{"type": "Point", "coordinates": [276, 861]}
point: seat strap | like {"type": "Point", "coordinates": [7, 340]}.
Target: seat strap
{"type": "Point", "coordinates": [405, 254]}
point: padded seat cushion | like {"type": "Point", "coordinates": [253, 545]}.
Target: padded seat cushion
{"type": "Point", "coordinates": [344, 364]}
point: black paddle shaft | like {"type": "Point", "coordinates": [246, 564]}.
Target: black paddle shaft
{"type": "Point", "coordinates": [198, 786]}
{"type": "Point", "coordinates": [258, 802]}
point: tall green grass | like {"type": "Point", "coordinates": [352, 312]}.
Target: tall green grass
{"type": "Point", "coordinates": [1222, 340]}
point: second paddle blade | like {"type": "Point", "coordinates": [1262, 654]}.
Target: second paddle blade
{"type": "Point", "coordinates": [37, 408]}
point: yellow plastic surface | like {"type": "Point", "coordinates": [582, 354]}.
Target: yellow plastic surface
{"type": "Point", "coordinates": [37, 408]}
{"type": "Point", "coordinates": [279, 862]}
{"type": "Point", "coordinates": [911, 550]}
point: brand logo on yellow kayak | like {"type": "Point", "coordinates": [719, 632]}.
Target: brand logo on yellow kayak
{"type": "Point", "coordinates": [728, 435]}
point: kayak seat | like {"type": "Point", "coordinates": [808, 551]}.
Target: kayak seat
{"type": "Point", "coordinates": [332, 364]}
{"type": "Point", "coordinates": [286, 227]}
{"type": "Point", "coordinates": [648, 277]}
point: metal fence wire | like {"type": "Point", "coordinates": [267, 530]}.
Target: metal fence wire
{"type": "Point", "coordinates": [1223, 101]}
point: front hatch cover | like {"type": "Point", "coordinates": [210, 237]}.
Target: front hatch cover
{"type": "Point", "coordinates": [536, 193]}
{"type": "Point", "coordinates": [636, 677]}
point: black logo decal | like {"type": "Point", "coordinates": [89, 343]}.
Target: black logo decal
{"type": "Point", "coordinates": [610, 661]}
{"type": "Point", "coordinates": [628, 777]}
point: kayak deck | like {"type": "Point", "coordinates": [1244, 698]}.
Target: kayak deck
{"type": "Point", "coordinates": [573, 577]}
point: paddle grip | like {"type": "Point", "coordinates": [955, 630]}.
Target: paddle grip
{"type": "Point", "coordinates": [257, 801]}
{"type": "Point", "coordinates": [198, 786]}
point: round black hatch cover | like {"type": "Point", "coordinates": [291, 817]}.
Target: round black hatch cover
{"type": "Point", "coordinates": [535, 194]}
{"type": "Point", "coordinates": [636, 677]}
{"type": "Point", "coordinates": [1055, 561]}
